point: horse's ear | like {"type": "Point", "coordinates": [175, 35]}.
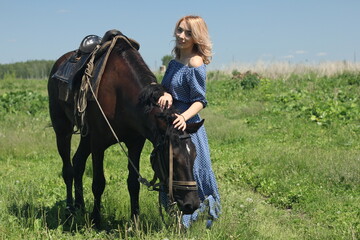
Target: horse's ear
{"type": "Point", "coordinates": [193, 127]}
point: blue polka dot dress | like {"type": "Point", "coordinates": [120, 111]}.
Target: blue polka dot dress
{"type": "Point", "coordinates": [188, 85]}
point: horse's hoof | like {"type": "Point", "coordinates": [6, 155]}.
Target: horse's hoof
{"type": "Point", "coordinates": [95, 218]}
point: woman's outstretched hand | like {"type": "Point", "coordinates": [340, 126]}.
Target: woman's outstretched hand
{"type": "Point", "coordinates": [165, 100]}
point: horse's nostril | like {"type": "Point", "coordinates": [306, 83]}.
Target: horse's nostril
{"type": "Point", "coordinates": [189, 208]}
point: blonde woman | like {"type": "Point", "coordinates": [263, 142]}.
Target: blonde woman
{"type": "Point", "coordinates": [185, 82]}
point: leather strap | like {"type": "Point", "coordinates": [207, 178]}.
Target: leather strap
{"type": "Point", "coordinates": [171, 173]}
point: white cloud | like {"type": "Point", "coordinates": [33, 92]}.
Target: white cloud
{"type": "Point", "coordinates": [300, 52]}
{"type": "Point", "coordinates": [320, 54]}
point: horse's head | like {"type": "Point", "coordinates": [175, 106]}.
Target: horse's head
{"type": "Point", "coordinates": [174, 153]}
{"type": "Point", "coordinates": [173, 160]}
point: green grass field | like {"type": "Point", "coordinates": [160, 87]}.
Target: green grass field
{"type": "Point", "coordinates": [286, 153]}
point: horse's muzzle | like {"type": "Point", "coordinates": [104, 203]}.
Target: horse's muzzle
{"type": "Point", "coordinates": [189, 203]}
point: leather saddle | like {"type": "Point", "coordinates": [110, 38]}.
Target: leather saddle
{"type": "Point", "coordinates": [71, 70]}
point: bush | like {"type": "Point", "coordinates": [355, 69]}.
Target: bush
{"type": "Point", "coordinates": [248, 80]}
{"type": "Point", "coordinates": [23, 101]}
{"type": "Point", "coordinates": [350, 77]}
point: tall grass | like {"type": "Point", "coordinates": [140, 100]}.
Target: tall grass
{"type": "Point", "coordinates": [283, 70]}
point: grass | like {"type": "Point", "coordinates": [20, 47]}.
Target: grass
{"type": "Point", "coordinates": [285, 153]}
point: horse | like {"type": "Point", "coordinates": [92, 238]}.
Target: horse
{"type": "Point", "coordinates": [126, 111]}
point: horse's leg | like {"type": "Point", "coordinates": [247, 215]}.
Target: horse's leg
{"type": "Point", "coordinates": [134, 149]}
{"type": "Point", "coordinates": [63, 128]}
{"type": "Point", "coordinates": [63, 140]}
{"type": "Point", "coordinates": [79, 162]}
{"type": "Point", "coordinates": [98, 184]}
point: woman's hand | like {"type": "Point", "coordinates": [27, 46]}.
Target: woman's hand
{"type": "Point", "coordinates": [180, 122]}
{"type": "Point", "coordinates": [165, 99]}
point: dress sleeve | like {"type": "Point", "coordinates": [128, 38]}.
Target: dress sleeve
{"type": "Point", "coordinates": [197, 83]}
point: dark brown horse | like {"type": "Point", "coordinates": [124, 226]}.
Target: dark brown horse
{"type": "Point", "coordinates": [127, 94]}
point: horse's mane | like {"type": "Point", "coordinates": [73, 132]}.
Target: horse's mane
{"type": "Point", "coordinates": [135, 61]}
{"type": "Point", "coordinates": [148, 99]}
{"type": "Point", "coordinates": [150, 95]}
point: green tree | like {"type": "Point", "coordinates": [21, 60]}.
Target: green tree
{"type": "Point", "coordinates": [166, 59]}
{"type": "Point", "coordinates": [27, 70]}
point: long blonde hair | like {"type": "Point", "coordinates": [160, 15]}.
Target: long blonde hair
{"type": "Point", "coordinates": [200, 34]}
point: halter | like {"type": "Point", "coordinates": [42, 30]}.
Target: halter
{"type": "Point", "coordinates": [172, 184]}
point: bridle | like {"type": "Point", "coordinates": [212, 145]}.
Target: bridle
{"type": "Point", "coordinates": [172, 184]}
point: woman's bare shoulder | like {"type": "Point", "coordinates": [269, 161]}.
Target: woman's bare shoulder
{"type": "Point", "coordinates": [196, 61]}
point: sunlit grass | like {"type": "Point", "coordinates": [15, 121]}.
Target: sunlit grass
{"type": "Point", "coordinates": [281, 175]}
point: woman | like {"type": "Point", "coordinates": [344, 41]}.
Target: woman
{"type": "Point", "coordinates": [185, 81]}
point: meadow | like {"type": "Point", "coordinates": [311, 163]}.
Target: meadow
{"type": "Point", "coordinates": [285, 148]}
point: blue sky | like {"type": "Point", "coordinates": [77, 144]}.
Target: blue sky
{"type": "Point", "coordinates": [241, 31]}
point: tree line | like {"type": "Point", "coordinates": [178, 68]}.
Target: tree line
{"type": "Point", "coordinates": [34, 69]}
{"type": "Point", "coordinates": [38, 69]}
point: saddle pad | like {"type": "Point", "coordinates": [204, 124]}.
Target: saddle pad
{"type": "Point", "coordinates": [73, 69]}
{"type": "Point", "coordinates": [70, 68]}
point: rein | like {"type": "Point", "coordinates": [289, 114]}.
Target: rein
{"type": "Point", "coordinates": [82, 104]}
{"type": "Point", "coordinates": [152, 185]}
